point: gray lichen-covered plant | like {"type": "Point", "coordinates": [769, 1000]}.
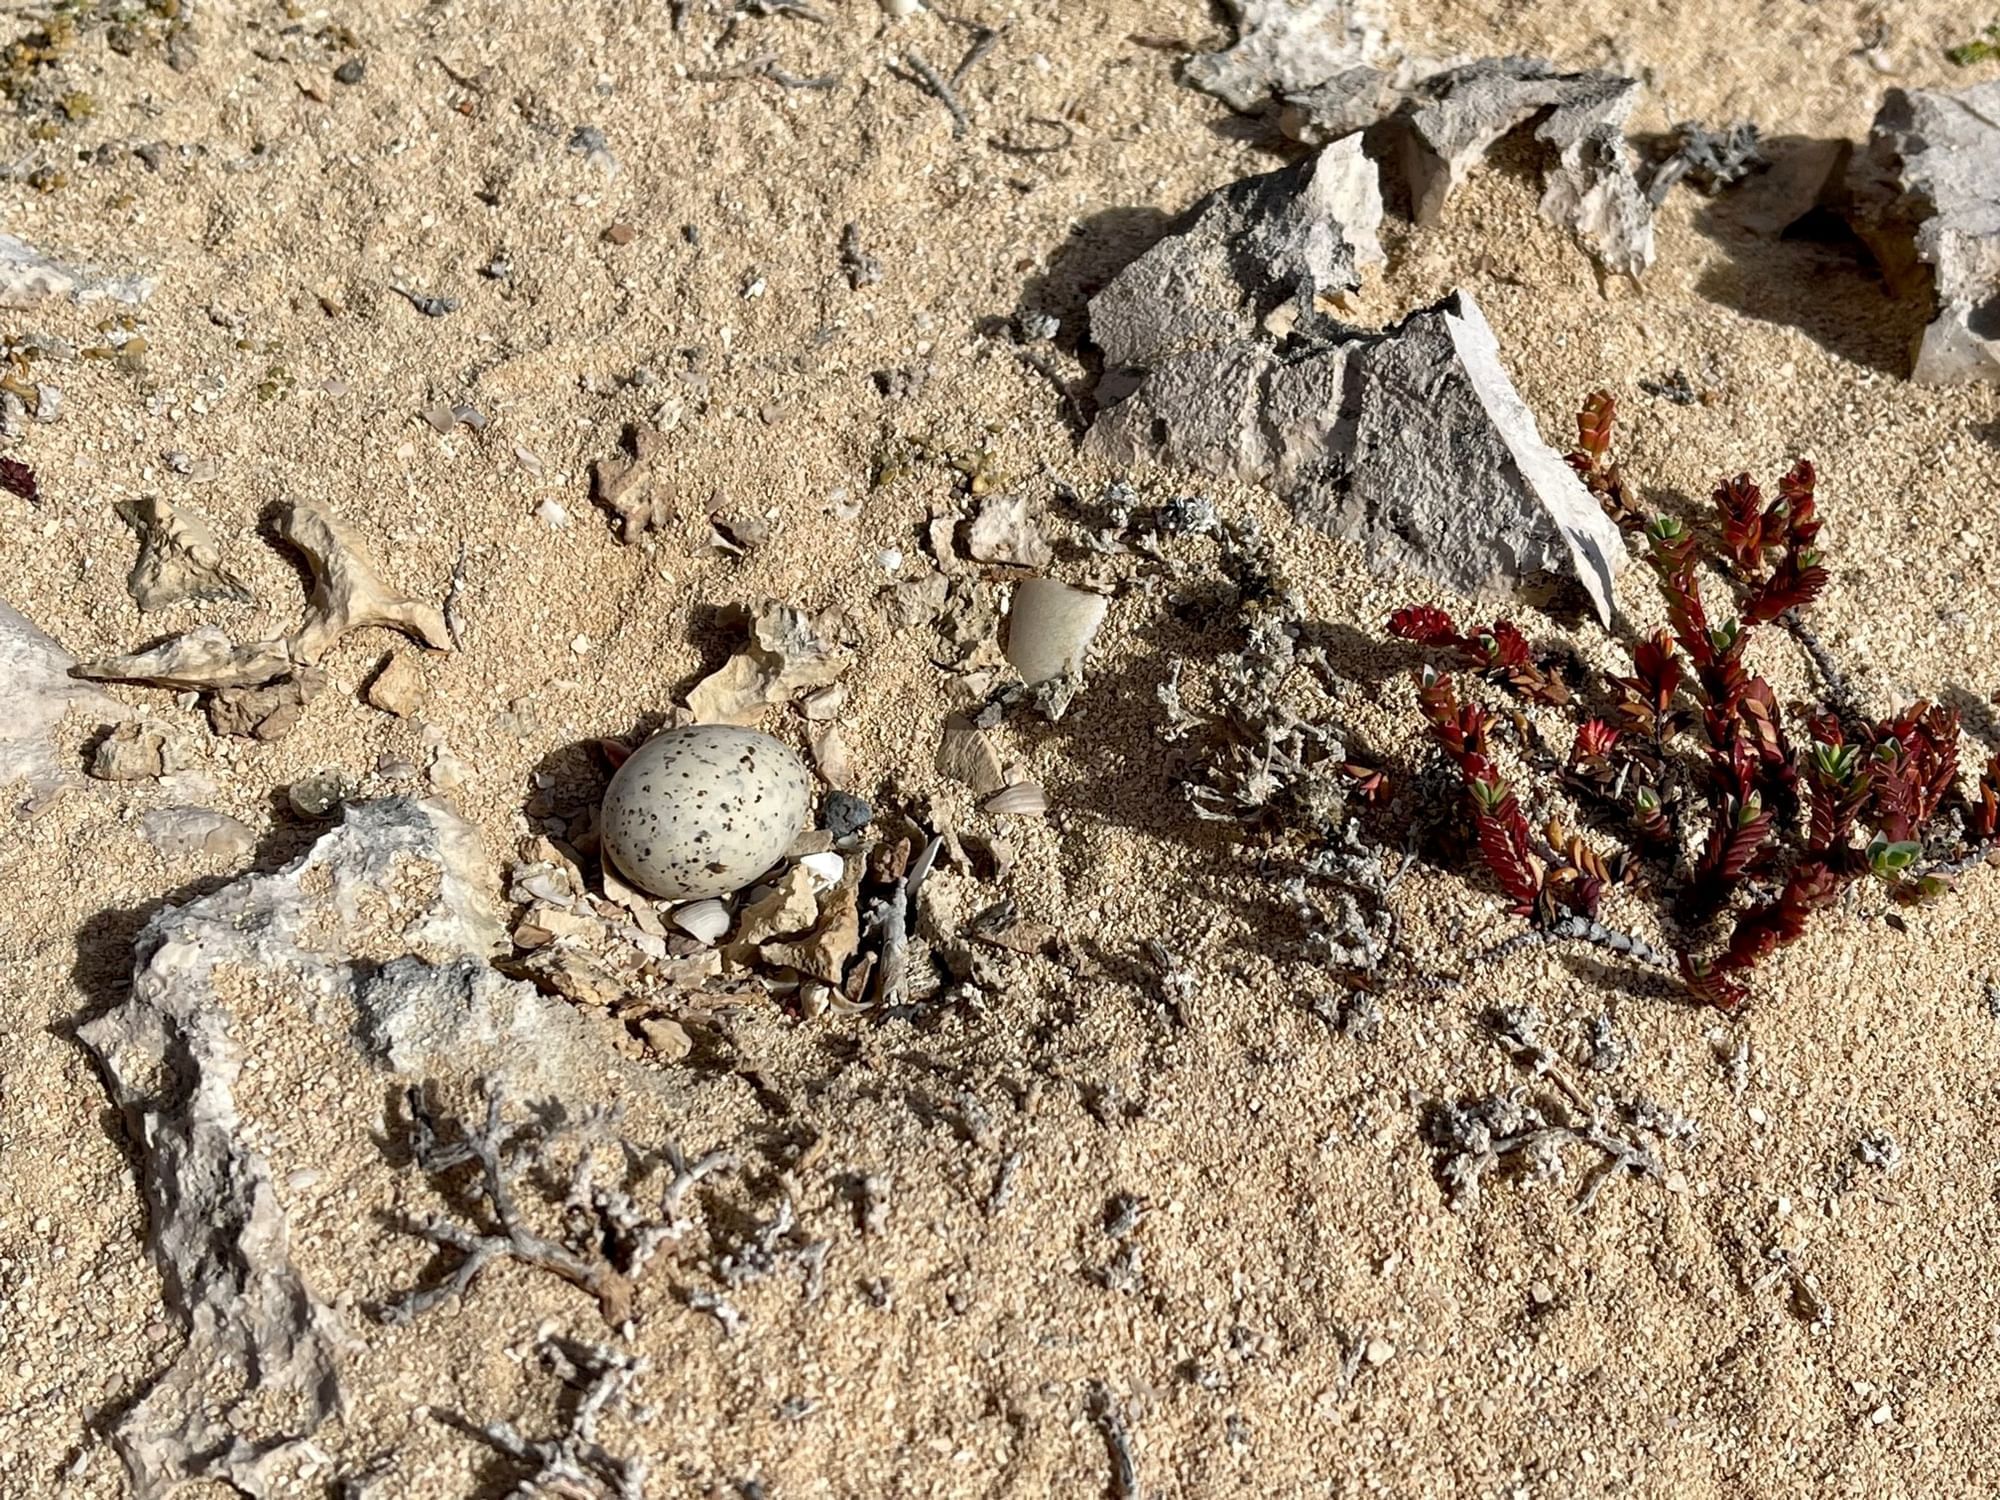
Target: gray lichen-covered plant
{"type": "Point", "coordinates": [607, 1238]}
{"type": "Point", "coordinates": [1267, 755]}
{"type": "Point", "coordinates": [1524, 1132]}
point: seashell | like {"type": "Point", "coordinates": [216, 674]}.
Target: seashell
{"type": "Point", "coordinates": [1024, 799]}
{"type": "Point", "coordinates": [966, 753]}
{"type": "Point", "coordinates": [1050, 628]}
{"type": "Point", "coordinates": [704, 810]}
{"type": "Point", "coordinates": [704, 921]}
{"type": "Point", "coordinates": [825, 869]}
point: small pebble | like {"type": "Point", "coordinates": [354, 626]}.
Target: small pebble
{"type": "Point", "coordinates": [843, 814]}
{"type": "Point", "coordinates": [351, 72]}
{"type": "Point", "coordinates": [318, 795]}
{"type": "Point", "coordinates": [621, 234]}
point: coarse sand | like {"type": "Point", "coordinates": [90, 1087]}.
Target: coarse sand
{"type": "Point", "coordinates": [1298, 1310]}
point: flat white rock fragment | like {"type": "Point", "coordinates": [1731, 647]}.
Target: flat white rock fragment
{"type": "Point", "coordinates": [1925, 197]}
{"type": "Point", "coordinates": [28, 277]}
{"type": "Point", "coordinates": [259, 1370]}
{"type": "Point", "coordinates": [1283, 48]}
{"type": "Point", "coordinates": [36, 690]}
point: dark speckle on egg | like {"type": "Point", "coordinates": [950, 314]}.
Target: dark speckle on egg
{"type": "Point", "coordinates": [703, 811]}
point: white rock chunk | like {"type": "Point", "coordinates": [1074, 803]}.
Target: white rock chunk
{"type": "Point", "coordinates": [1283, 48]}
{"type": "Point", "coordinates": [36, 690]}
{"type": "Point", "coordinates": [259, 1370]}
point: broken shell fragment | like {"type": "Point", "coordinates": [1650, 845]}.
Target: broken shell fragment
{"type": "Point", "coordinates": [704, 921]}
{"type": "Point", "coordinates": [203, 658]}
{"type": "Point", "coordinates": [348, 594]}
{"type": "Point", "coordinates": [1024, 799]}
{"type": "Point", "coordinates": [179, 558]}
{"type": "Point", "coordinates": [704, 810]}
{"type": "Point", "coordinates": [1050, 629]}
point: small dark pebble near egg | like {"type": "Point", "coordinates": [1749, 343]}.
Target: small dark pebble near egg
{"type": "Point", "coordinates": [843, 814]}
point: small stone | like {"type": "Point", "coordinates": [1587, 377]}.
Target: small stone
{"type": "Point", "coordinates": [351, 72]}
{"type": "Point", "coordinates": [264, 713]}
{"type": "Point", "coordinates": [448, 772]}
{"type": "Point", "coordinates": [196, 830]}
{"type": "Point", "coordinates": [320, 795]}
{"type": "Point", "coordinates": [668, 1038]}
{"type": "Point", "coordinates": [621, 234]}
{"type": "Point", "coordinates": [131, 752]}
{"type": "Point", "coordinates": [1379, 1352]}
{"type": "Point", "coordinates": [843, 814]}
{"type": "Point", "coordinates": [398, 688]}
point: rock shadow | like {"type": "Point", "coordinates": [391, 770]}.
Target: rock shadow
{"type": "Point", "coordinates": [1793, 261]}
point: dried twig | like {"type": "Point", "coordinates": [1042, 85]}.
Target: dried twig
{"type": "Point", "coordinates": [1580, 930]}
{"type": "Point", "coordinates": [931, 79]}
{"type": "Point", "coordinates": [454, 599]}
{"type": "Point", "coordinates": [983, 42]}
{"type": "Point", "coordinates": [1124, 1467]}
{"type": "Point", "coordinates": [575, 1464]}
{"type": "Point", "coordinates": [1839, 691]}
{"type": "Point", "coordinates": [607, 1243]}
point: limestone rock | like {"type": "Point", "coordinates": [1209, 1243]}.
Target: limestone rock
{"type": "Point", "coordinates": [1925, 197]}
{"type": "Point", "coordinates": [28, 277]}
{"type": "Point", "coordinates": [1411, 441]}
{"type": "Point", "coordinates": [1454, 117]}
{"type": "Point", "coordinates": [1005, 532]}
{"type": "Point", "coordinates": [36, 690]}
{"type": "Point", "coordinates": [179, 558]}
{"type": "Point", "coordinates": [131, 752]}
{"type": "Point", "coordinates": [180, 831]}
{"type": "Point", "coordinates": [1446, 474]}
{"type": "Point", "coordinates": [1283, 48]}
{"type": "Point", "coordinates": [259, 1370]}
{"type": "Point", "coordinates": [789, 653]}
{"type": "Point", "coordinates": [1259, 254]}
{"type": "Point", "coordinates": [398, 688]}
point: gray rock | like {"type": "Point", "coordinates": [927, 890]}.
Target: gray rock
{"type": "Point", "coordinates": [1925, 197]}
{"type": "Point", "coordinates": [1443, 471]}
{"type": "Point", "coordinates": [1255, 255]}
{"type": "Point", "coordinates": [260, 1339]}
{"type": "Point", "coordinates": [1412, 442]}
{"type": "Point", "coordinates": [1453, 118]}
{"type": "Point", "coordinates": [180, 831]}
{"type": "Point", "coordinates": [36, 690]}
{"type": "Point", "coordinates": [1283, 49]}
{"type": "Point", "coordinates": [1315, 60]}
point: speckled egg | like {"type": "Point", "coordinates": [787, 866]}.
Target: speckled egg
{"type": "Point", "coordinates": [703, 811]}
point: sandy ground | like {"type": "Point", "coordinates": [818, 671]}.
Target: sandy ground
{"type": "Point", "coordinates": [1519, 1349]}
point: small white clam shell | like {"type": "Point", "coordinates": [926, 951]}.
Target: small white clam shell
{"type": "Point", "coordinates": [1050, 628]}
{"type": "Point", "coordinates": [704, 921]}
{"type": "Point", "coordinates": [1024, 799]}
